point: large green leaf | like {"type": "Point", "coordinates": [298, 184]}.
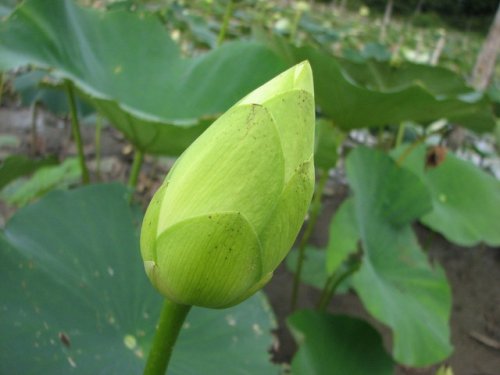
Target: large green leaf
{"type": "Point", "coordinates": [127, 61]}
{"type": "Point", "coordinates": [382, 76]}
{"type": "Point", "coordinates": [396, 282]}
{"type": "Point", "coordinates": [75, 298]}
{"type": "Point", "coordinates": [377, 97]}
{"type": "Point", "coordinates": [153, 136]}
{"type": "Point", "coordinates": [45, 179]}
{"type": "Point", "coordinates": [327, 142]}
{"type": "Point", "coordinates": [38, 87]}
{"type": "Point", "coordinates": [466, 200]}
{"type": "Point", "coordinates": [344, 236]}
{"type": "Point", "coordinates": [313, 266]}
{"type": "Point", "coordinates": [337, 345]}
{"type": "Point", "coordinates": [16, 166]}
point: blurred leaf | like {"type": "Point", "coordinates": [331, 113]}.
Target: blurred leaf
{"type": "Point", "coordinates": [328, 140]}
{"type": "Point", "coordinates": [336, 345]}
{"type": "Point", "coordinates": [375, 94]}
{"type": "Point", "coordinates": [154, 85]}
{"type": "Point", "coordinates": [38, 87]}
{"type": "Point", "coordinates": [200, 29]}
{"type": "Point", "coordinates": [382, 76]}
{"type": "Point", "coordinates": [43, 180]}
{"type": "Point", "coordinates": [313, 268]}
{"type": "Point", "coordinates": [396, 195]}
{"type": "Point", "coordinates": [376, 51]}
{"type": "Point", "coordinates": [16, 166]}
{"type": "Point", "coordinates": [320, 33]}
{"type": "Point", "coordinates": [154, 136]}
{"type": "Point", "coordinates": [396, 282]}
{"type": "Point", "coordinates": [466, 200]}
{"type": "Point", "coordinates": [344, 236]}
{"type": "Point", "coordinates": [314, 272]}
{"type": "Point", "coordinates": [77, 300]}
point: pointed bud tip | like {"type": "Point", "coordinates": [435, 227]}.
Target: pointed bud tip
{"type": "Point", "coordinates": [298, 77]}
{"type": "Point", "coordinates": [303, 77]}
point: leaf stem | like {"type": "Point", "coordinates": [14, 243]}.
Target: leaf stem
{"type": "Point", "coordinates": [225, 22]}
{"type": "Point", "coordinates": [313, 217]}
{"type": "Point", "coordinates": [2, 78]}
{"type": "Point", "coordinates": [400, 135]}
{"type": "Point", "coordinates": [98, 132]}
{"type": "Point", "coordinates": [136, 168]}
{"type": "Point", "coordinates": [171, 319]}
{"type": "Point", "coordinates": [34, 132]}
{"type": "Point", "coordinates": [75, 126]}
{"type": "Point", "coordinates": [414, 144]}
{"type": "Point", "coordinates": [408, 151]}
{"type": "Point", "coordinates": [335, 279]}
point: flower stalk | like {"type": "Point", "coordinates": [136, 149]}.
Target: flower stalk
{"type": "Point", "coordinates": [75, 126]}
{"type": "Point", "coordinates": [169, 325]}
{"type": "Point", "coordinates": [313, 218]}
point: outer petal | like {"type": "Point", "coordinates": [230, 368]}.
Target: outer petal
{"type": "Point", "coordinates": [293, 113]}
{"type": "Point", "coordinates": [279, 235]}
{"type": "Point", "coordinates": [150, 225]}
{"type": "Point", "coordinates": [208, 261]}
{"type": "Point", "coordinates": [236, 165]}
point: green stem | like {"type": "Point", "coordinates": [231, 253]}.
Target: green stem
{"type": "Point", "coordinates": [225, 22]}
{"type": "Point", "coordinates": [136, 168]}
{"type": "Point", "coordinates": [415, 143]}
{"type": "Point", "coordinates": [134, 172]}
{"type": "Point", "coordinates": [1, 86]}
{"type": "Point", "coordinates": [333, 282]}
{"type": "Point", "coordinates": [171, 319]}
{"type": "Point", "coordinates": [75, 126]}
{"type": "Point", "coordinates": [98, 132]}
{"type": "Point", "coordinates": [409, 150]}
{"type": "Point", "coordinates": [400, 135]}
{"type": "Point", "coordinates": [34, 132]}
{"type": "Point", "coordinates": [313, 217]}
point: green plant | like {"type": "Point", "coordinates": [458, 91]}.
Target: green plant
{"type": "Point", "coordinates": [80, 249]}
{"type": "Point", "coordinates": [230, 209]}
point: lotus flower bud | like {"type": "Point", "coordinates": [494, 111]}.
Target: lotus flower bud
{"type": "Point", "coordinates": [230, 209]}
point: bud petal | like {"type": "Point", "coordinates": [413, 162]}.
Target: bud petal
{"type": "Point", "coordinates": [221, 243]}
{"type": "Point", "coordinates": [231, 207]}
{"type": "Point", "coordinates": [226, 168]}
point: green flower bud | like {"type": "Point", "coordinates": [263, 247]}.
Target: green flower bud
{"type": "Point", "coordinates": [232, 205]}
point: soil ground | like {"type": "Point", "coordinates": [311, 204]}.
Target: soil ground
{"type": "Point", "coordinates": [473, 273]}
